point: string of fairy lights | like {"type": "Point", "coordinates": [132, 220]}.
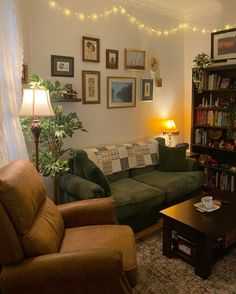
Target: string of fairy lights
{"type": "Point", "coordinates": [132, 20]}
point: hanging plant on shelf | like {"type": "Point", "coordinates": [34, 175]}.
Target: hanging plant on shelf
{"type": "Point", "coordinates": [202, 60]}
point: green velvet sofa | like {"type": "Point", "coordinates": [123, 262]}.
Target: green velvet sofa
{"type": "Point", "coordinates": [142, 177]}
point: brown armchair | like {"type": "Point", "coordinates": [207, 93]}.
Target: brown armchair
{"type": "Point", "coordinates": [71, 248]}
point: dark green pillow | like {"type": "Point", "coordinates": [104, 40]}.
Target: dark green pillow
{"type": "Point", "coordinates": [172, 159]}
{"type": "Point", "coordinates": [93, 173]}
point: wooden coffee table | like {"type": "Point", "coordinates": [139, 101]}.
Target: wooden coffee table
{"type": "Point", "coordinates": [202, 229]}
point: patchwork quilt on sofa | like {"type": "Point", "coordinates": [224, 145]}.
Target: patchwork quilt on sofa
{"type": "Point", "coordinates": [115, 158]}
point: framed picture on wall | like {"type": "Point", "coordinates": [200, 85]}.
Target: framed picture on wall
{"type": "Point", "coordinates": [91, 49]}
{"type": "Point", "coordinates": [146, 89]}
{"type": "Point", "coordinates": [121, 92]}
{"type": "Point", "coordinates": [112, 58]}
{"type": "Point", "coordinates": [25, 74]}
{"type": "Point", "coordinates": [223, 45]}
{"type": "Point", "coordinates": [90, 87]}
{"type": "Point", "coordinates": [135, 59]}
{"type": "Point", "coordinates": [62, 66]}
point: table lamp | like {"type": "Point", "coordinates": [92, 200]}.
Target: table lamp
{"type": "Point", "coordinates": [170, 129]}
{"type": "Point", "coordinates": [36, 103]}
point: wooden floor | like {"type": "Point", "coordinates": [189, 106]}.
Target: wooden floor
{"type": "Point", "coordinates": [157, 227]}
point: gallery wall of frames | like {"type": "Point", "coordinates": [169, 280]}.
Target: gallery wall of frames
{"type": "Point", "coordinates": [122, 90]}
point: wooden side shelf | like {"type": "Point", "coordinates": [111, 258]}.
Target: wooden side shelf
{"type": "Point", "coordinates": [68, 100]}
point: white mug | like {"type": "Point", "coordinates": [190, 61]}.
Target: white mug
{"type": "Point", "coordinates": [207, 202]}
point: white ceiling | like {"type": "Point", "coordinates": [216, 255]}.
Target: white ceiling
{"type": "Point", "coordinates": [184, 9]}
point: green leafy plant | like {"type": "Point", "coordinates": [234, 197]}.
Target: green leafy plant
{"type": "Point", "coordinates": [57, 90]}
{"type": "Point", "coordinates": [202, 60]}
{"type": "Point", "coordinates": [54, 131]}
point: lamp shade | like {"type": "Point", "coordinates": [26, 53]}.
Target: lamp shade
{"type": "Point", "coordinates": [170, 127]}
{"type": "Point", "coordinates": [36, 102]}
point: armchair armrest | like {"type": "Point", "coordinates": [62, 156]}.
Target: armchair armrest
{"type": "Point", "coordinates": [192, 164]}
{"type": "Point", "coordinates": [79, 187]}
{"type": "Point", "coordinates": [74, 272]}
{"type": "Point", "coordinates": [88, 212]}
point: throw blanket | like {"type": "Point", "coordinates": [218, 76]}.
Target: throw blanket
{"type": "Point", "coordinates": [115, 158]}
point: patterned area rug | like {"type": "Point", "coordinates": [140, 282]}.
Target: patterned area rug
{"type": "Point", "coordinates": [161, 275]}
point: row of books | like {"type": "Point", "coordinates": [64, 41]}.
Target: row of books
{"type": "Point", "coordinates": [219, 180]}
{"type": "Point", "coordinates": [216, 82]}
{"type": "Point", "coordinates": [200, 136]}
{"type": "Point", "coordinates": [212, 118]}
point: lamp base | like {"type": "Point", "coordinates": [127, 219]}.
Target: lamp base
{"type": "Point", "coordinates": [36, 130]}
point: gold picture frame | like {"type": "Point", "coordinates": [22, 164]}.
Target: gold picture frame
{"type": "Point", "coordinates": [121, 92]}
{"type": "Point", "coordinates": [135, 59]}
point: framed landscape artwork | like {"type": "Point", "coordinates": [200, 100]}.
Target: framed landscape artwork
{"type": "Point", "coordinates": [121, 92]}
{"type": "Point", "coordinates": [62, 66]}
{"type": "Point", "coordinates": [112, 58]}
{"type": "Point", "coordinates": [135, 59]}
{"type": "Point", "coordinates": [223, 45]}
{"type": "Point", "coordinates": [90, 49]}
{"type": "Point", "coordinates": [90, 87]}
{"type": "Point", "coordinates": [147, 89]}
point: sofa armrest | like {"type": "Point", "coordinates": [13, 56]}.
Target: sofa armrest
{"type": "Point", "coordinates": [88, 212]}
{"type": "Point", "coordinates": [75, 272]}
{"type": "Point", "coordinates": [192, 164]}
{"type": "Point", "coordinates": [79, 187]}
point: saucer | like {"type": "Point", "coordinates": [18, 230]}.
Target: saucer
{"type": "Point", "coordinates": [201, 207]}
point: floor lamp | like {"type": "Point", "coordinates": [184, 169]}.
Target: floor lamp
{"type": "Point", "coordinates": [36, 103]}
{"type": "Point", "coordinates": [170, 129]}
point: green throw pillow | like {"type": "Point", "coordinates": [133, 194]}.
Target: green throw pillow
{"type": "Point", "coordinates": [172, 159]}
{"type": "Point", "coordinates": [93, 173]}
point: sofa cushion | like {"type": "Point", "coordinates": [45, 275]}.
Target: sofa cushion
{"type": "Point", "coordinates": [175, 184]}
{"type": "Point", "coordinates": [172, 159]}
{"type": "Point", "coordinates": [133, 197]}
{"type": "Point", "coordinates": [94, 174]}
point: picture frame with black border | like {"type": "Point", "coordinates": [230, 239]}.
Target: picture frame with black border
{"type": "Point", "coordinates": [112, 58]}
{"type": "Point", "coordinates": [90, 49]}
{"type": "Point", "coordinates": [62, 66]}
{"type": "Point", "coordinates": [146, 89]}
{"type": "Point", "coordinates": [91, 90]}
{"type": "Point", "coordinates": [25, 74]}
{"type": "Point", "coordinates": [223, 45]}
{"type": "Point", "coordinates": [121, 92]}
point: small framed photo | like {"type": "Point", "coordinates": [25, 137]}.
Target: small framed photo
{"type": "Point", "coordinates": [91, 49]}
{"type": "Point", "coordinates": [121, 92]}
{"type": "Point", "coordinates": [135, 59]}
{"type": "Point", "coordinates": [112, 58]}
{"type": "Point", "coordinates": [25, 74]}
{"type": "Point", "coordinates": [90, 87]}
{"type": "Point", "coordinates": [223, 45]}
{"type": "Point", "coordinates": [62, 66]}
{"type": "Point", "coordinates": [147, 89]}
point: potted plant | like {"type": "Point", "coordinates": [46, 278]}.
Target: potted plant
{"type": "Point", "coordinates": [202, 60]}
{"type": "Point", "coordinates": [54, 131]}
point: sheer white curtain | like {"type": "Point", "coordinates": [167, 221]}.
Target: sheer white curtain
{"type": "Point", "coordinates": [12, 144]}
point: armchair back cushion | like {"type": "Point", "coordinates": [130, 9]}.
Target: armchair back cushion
{"type": "Point", "coordinates": [35, 222]}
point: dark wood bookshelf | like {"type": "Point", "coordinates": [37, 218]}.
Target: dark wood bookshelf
{"type": "Point", "coordinates": [215, 109]}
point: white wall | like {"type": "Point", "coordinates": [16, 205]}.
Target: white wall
{"type": "Point", "coordinates": [48, 32]}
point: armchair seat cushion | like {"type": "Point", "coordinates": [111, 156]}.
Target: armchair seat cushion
{"type": "Point", "coordinates": [117, 237]}
{"type": "Point", "coordinates": [175, 184]}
